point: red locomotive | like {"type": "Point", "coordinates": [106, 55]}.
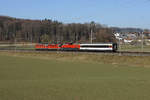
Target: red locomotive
{"type": "Point", "coordinates": [66, 47]}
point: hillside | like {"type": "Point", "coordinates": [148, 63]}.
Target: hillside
{"type": "Point", "coordinates": [14, 29]}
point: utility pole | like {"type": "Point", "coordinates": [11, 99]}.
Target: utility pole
{"type": "Point", "coordinates": [14, 35]}
{"type": "Point", "coordinates": [91, 36]}
{"type": "Point", "coordinates": [142, 43]}
{"type": "Point", "coordinates": [119, 45]}
{"type": "Point", "coordinates": [15, 44]}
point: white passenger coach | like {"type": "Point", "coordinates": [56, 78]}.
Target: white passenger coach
{"type": "Point", "coordinates": [99, 47]}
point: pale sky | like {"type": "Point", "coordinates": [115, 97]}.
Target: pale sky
{"type": "Point", "coordinates": [119, 13]}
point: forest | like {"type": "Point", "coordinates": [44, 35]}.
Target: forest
{"type": "Point", "coordinates": [52, 31]}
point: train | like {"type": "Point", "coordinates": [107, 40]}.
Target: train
{"type": "Point", "coordinates": [97, 47]}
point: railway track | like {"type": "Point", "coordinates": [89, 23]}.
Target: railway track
{"type": "Point", "coordinates": [120, 53]}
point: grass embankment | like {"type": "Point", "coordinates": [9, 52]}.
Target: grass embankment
{"type": "Point", "coordinates": [134, 48]}
{"type": "Point", "coordinates": [73, 76]}
{"type": "Point", "coordinates": [18, 46]}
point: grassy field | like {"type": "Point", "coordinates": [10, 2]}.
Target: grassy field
{"type": "Point", "coordinates": [146, 48]}
{"type": "Point", "coordinates": [18, 46]}
{"type": "Point", "coordinates": [73, 76]}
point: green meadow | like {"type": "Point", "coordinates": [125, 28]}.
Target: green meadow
{"type": "Point", "coordinates": [134, 48]}
{"type": "Point", "coordinates": [73, 76]}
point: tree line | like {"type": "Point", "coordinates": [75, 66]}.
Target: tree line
{"type": "Point", "coordinates": [38, 31]}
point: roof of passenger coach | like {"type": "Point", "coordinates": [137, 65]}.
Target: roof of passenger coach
{"type": "Point", "coordinates": [97, 44]}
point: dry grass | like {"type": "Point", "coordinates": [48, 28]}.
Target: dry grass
{"type": "Point", "coordinates": [139, 61]}
{"type": "Point", "coordinates": [134, 48]}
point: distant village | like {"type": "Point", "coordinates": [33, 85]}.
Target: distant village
{"type": "Point", "coordinates": [133, 38]}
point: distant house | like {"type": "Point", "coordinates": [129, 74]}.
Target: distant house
{"type": "Point", "coordinates": [118, 36]}
{"type": "Point", "coordinates": [147, 34]}
{"type": "Point", "coordinates": [132, 36]}
{"type": "Point", "coordinates": [128, 40]}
